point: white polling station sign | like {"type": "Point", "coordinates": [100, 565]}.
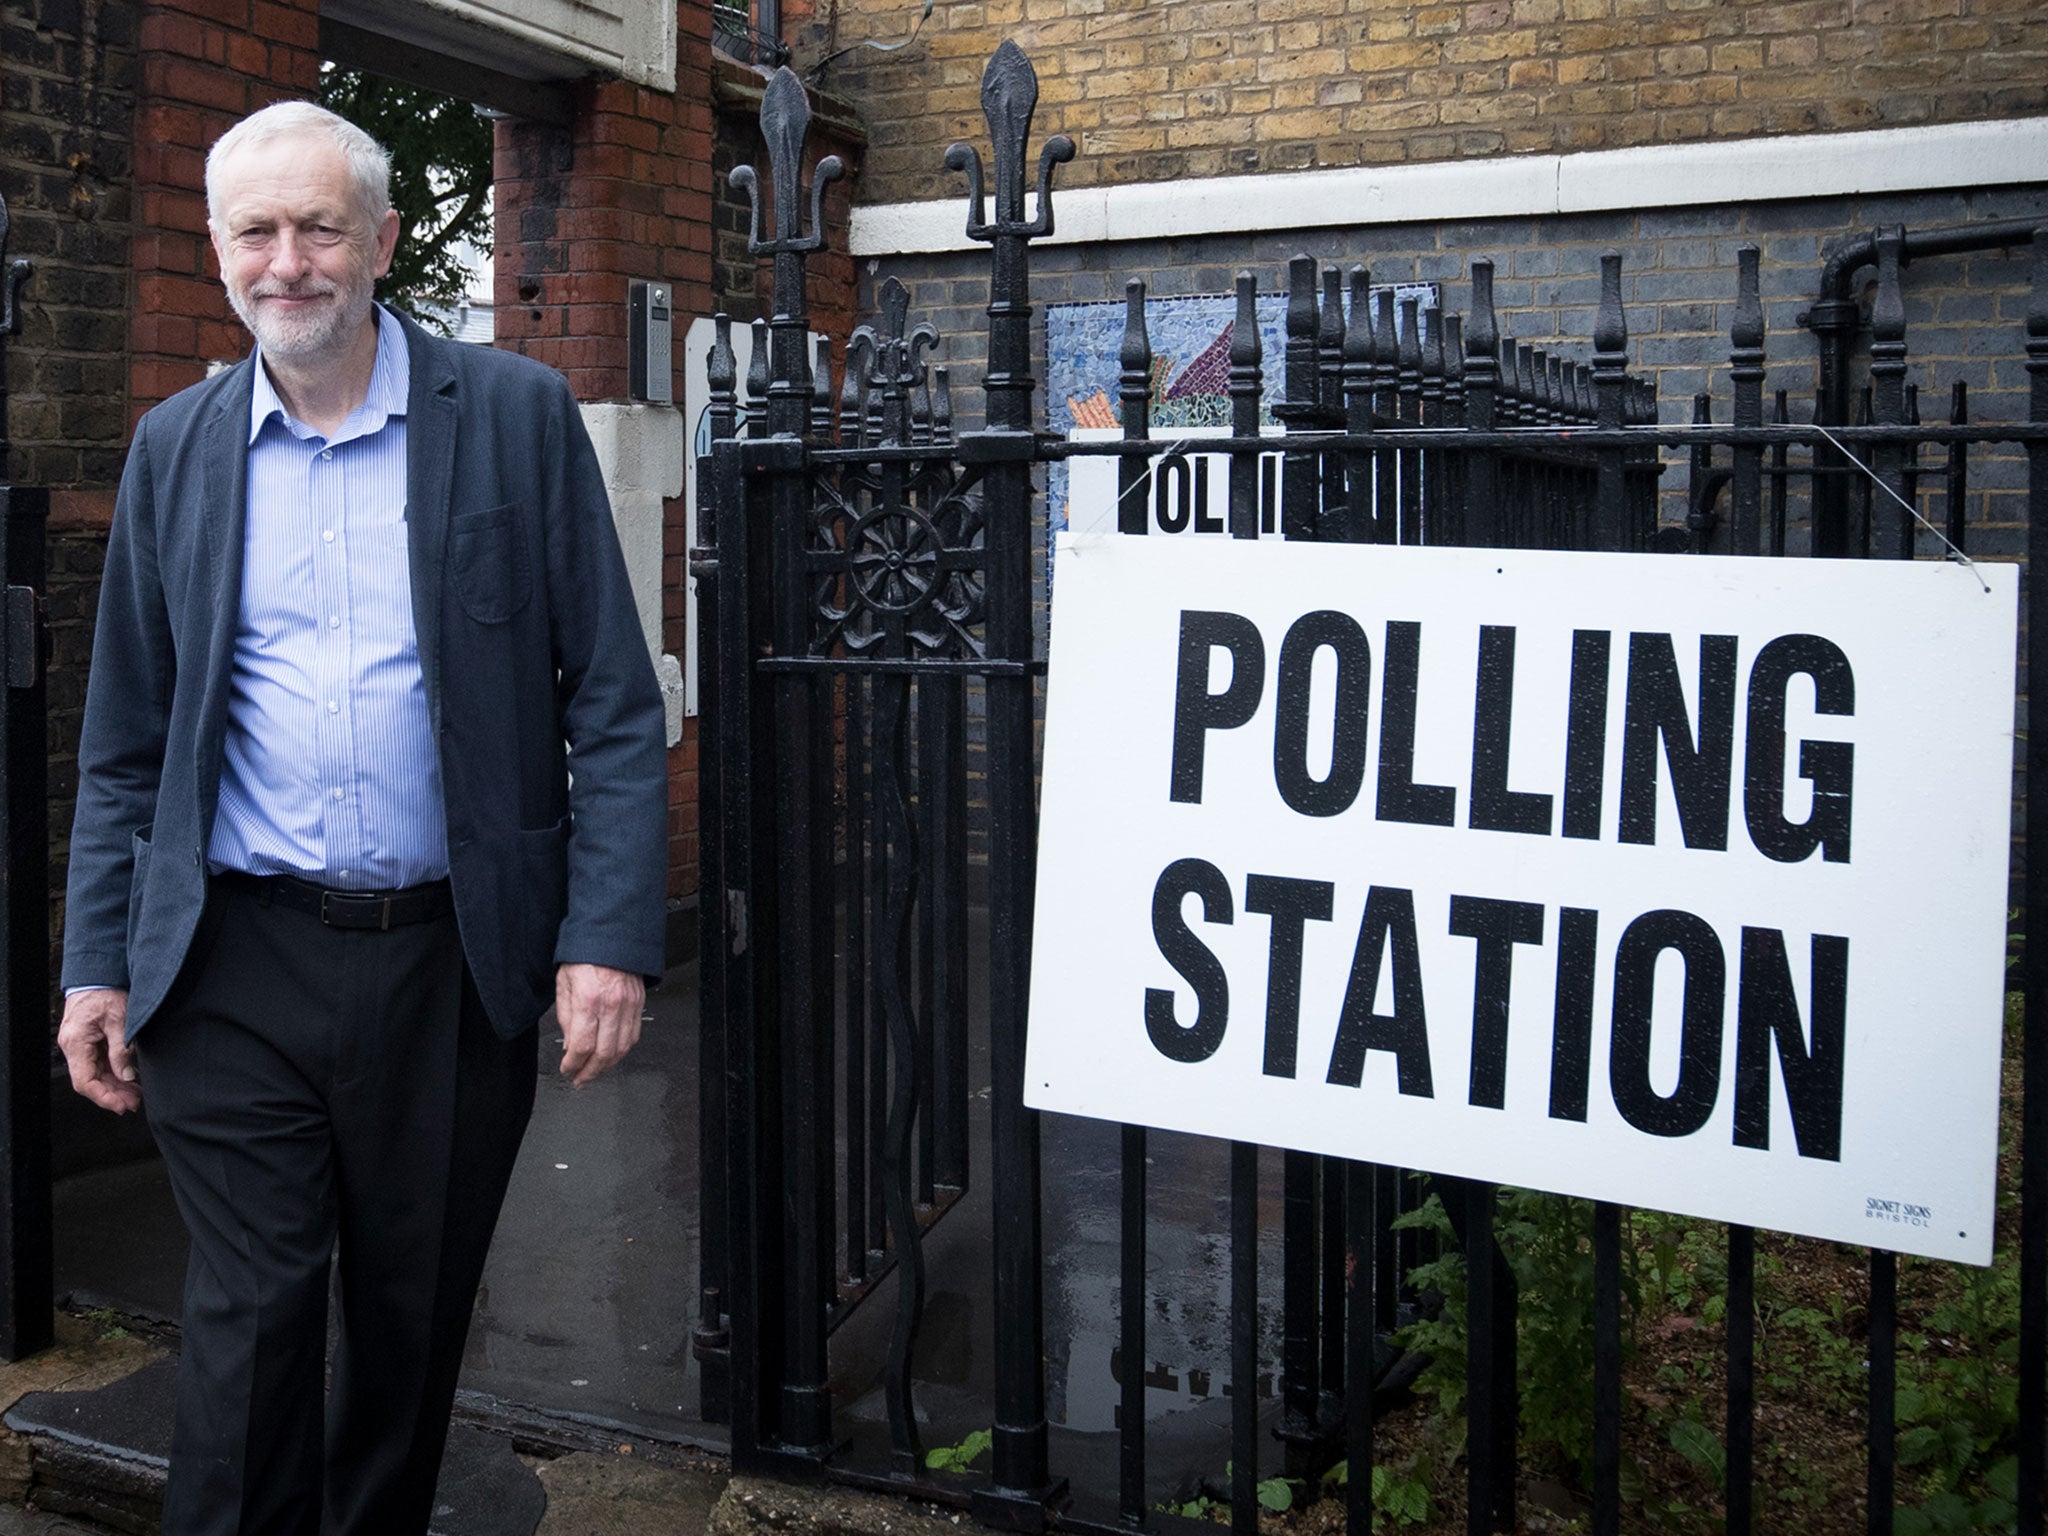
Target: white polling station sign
{"type": "Point", "coordinates": [1673, 881]}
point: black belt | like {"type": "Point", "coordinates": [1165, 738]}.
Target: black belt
{"type": "Point", "coordinates": [375, 910]}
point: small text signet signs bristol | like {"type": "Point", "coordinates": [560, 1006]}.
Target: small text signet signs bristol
{"type": "Point", "coordinates": [1678, 882]}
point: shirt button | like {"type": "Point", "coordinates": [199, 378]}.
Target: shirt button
{"type": "Point", "coordinates": [327, 535]}
{"type": "Point", "coordinates": [334, 621]}
{"type": "Point", "coordinates": [337, 794]}
{"type": "Point", "coordinates": [326, 453]}
{"type": "Point", "coordinates": [333, 708]}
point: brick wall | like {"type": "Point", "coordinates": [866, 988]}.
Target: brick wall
{"type": "Point", "coordinates": [205, 64]}
{"type": "Point", "coordinates": [67, 104]}
{"type": "Point", "coordinates": [106, 110]}
{"type": "Point", "coordinates": [1187, 88]}
{"type": "Point", "coordinates": [1966, 314]}
{"type": "Point", "coordinates": [580, 213]}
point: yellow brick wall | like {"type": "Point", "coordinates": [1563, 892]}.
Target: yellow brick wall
{"type": "Point", "coordinates": [1154, 90]}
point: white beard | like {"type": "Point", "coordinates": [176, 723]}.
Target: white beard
{"type": "Point", "coordinates": [328, 328]}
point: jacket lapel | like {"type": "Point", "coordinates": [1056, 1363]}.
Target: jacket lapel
{"type": "Point", "coordinates": [223, 517]}
{"type": "Point", "coordinates": [431, 410]}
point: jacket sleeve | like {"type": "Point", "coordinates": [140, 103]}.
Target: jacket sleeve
{"type": "Point", "coordinates": [610, 709]}
{"type": "Point", "coordinates": [121, 746]}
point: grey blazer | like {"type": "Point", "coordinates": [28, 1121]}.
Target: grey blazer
{"type": "Point", "coordinates": [533, 661]}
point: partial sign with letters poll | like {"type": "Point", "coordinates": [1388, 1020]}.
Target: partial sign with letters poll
{"type": "Point", "coordinates": [1672, 881]}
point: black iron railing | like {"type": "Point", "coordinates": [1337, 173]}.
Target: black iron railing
{"type": "Point", "coordinates": [866, 586]}
{"type": "Point", "coordinates": [26, 1279]}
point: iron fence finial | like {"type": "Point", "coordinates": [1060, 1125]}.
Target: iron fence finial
{"type": "Point", "coordinates": [785, 123]}
{"type": "Point", "coordinates": [1482, 335]}
{"type": "Point", "coordinates": [1747, 332]}
{"type": "Point", "coordinates": [1134, 361]}
{"type": "Point", "coordinates": [1358, 322]}
{"type": "Point", "coordinates": [721, 375]}
{"type": "Point", "coordinates": [853, 388]}
{"type": "Point", "coordinates": [1330, 341]}
{"type": "Point", "coordinates": [2037, 306]}
{"type": "Point", "coordinates": [1009, 98]}
{"type": "Point", "coordinates": [1610, 347]}
{"type": "Point", "coordinates": [1610, 325]}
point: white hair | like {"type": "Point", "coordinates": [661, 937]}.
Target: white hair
{"type": "Point", "coordinates": [369, 163]}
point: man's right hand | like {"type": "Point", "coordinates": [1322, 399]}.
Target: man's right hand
{"type": "Point", "coordinates": [94, 1040]}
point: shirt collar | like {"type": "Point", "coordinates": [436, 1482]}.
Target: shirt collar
{"type": "Point", "coordinates": [390, 380]}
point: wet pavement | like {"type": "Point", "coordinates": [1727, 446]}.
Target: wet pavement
{"type": "Point", "coordinates": [589, 1300]}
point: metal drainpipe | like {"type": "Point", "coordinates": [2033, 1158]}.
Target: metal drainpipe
{"type": "Point", "coordinates": [1834, 320]}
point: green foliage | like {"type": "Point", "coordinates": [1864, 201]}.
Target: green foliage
{"type": "Point", "coordinates": [1957, 1407]}
{"type": "Point", "coordinates": [1400, 1493]}
{"type": "Point", "coordinates": [1276, 1494]}
{"type": "Point", "coordinates": [958, 1458]}
{"type": "Point", "coordinates": [1702, 1447]}
{"type": "Point", "coordinates": [440, 181]}
{"type": "Point", "coordinates": [1548, 1243]}
{"type": "Point", "coordinates": [1441, 1337]}
{"type": "Point", "coordinates": [1401, 1497]}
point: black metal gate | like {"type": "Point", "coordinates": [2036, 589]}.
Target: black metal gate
{"type": "Point", "coordinates": [866, 604]}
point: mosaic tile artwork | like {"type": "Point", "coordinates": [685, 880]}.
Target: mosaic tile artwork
{"type": "Point", "coordinates": [1190, 339]}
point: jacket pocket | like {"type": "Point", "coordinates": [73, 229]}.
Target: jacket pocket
{"type": "Point", "coordinates": [488, 560]}
{"type": "Point", "coordinates": [138, 885]}
{"type": "Point", "coordinates": [543, 870]}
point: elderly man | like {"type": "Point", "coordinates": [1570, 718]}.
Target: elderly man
{"type": "Point", "coordinates": [372, 770]}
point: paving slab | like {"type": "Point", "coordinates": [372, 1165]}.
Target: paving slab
{"type": "Point", "coordinates": [101, 1444]}
{"type": "Point", "coordinates": [17, 1521]}
{"type": "Point", "coordinates": [753, 1506]}
{"type": "Point", "coordinates": [591, 1494]}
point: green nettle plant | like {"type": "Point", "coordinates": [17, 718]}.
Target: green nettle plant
{"type": "Point", "coordinates": [1958, 1351]}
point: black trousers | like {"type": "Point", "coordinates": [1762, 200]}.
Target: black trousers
{"type": "Point", "coordinates": [309, 1085]}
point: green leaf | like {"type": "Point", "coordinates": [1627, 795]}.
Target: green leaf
{"type": "Point", "coordinates": [1947, 1511]}
{"type": "Point", "coordinates": [1339, 1476]}
{"type": "Point", "coordinates": [958, 1458]}
{"type": "Point", "coordinates": [2004, 1479]}
{"type": "Point", "coordinates": [1276, 1494]}
{"type": "Point", "coordinates": [1918, 1444]}
{"type": "Point", "coordinates": [1634, 1482]}
{"type": "Point", "coordinates": [1700, 1446]}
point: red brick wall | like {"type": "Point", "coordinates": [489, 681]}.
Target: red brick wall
{"type": "Point", "coordinates": [580, 213]}
{"type": "Point", "coordinates": [205, 63]}
{"type": "Point", "coordinates": [103, 164]}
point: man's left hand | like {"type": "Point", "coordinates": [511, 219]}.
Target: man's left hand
{"type": "Point", "coordinates": [599, 1011]}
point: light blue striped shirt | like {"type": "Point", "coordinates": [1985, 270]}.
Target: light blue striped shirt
{"type": "Point", "coordinates": [330, 772]}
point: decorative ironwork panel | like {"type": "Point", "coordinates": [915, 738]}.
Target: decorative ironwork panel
{"type": "Point", "coordinates": [896, 561]}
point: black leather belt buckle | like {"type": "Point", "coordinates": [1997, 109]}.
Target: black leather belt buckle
{"type": "Point", "coordinates": [341, 909]}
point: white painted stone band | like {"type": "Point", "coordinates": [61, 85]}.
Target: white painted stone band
{"type": "Point", "coordinates": [1656, 176]}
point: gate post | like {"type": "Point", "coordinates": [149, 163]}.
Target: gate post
{"type": "Point", "coordinates": [1022, 1486]}
{"type": "Point", "coordinates": [2033, 1395]}
{"type": "Point", "coordinates": [791, 1217]}
{"type": "Point", "coordinates": [26, 1281]}
{"type": "Point", "coordinates": [717, 955]}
